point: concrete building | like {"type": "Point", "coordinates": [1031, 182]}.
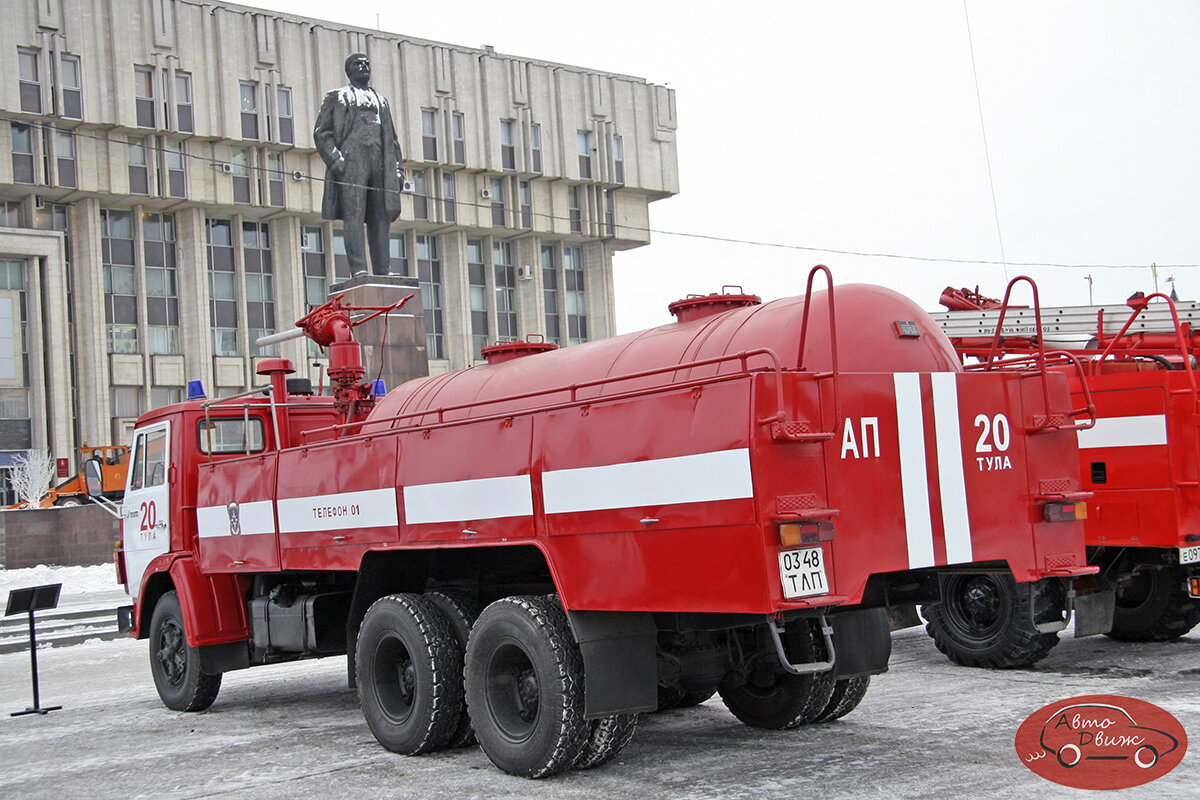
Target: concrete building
{"type": "Point", "coordinates": [160, 199]}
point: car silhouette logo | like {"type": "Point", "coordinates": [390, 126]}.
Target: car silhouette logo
{"type": "Point", "coordinates": [1103, 732]}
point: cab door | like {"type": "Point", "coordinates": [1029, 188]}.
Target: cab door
{"type": "Point", "coordinates": [146, 514]}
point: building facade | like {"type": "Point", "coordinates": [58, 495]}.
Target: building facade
{"type": "Point", "coordinates": [160, 200]}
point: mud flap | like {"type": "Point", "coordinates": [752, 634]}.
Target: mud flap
{"type": "Point", "coordinates": [1095, 601]}
{"type": "Point", "coordinates": [863, 642]}
{"type": "Point", "coordinates": [620, 666]}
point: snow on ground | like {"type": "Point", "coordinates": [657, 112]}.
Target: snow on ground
{"type": "Point", "coordinates": [76, 581]}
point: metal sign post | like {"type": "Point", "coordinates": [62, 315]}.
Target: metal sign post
{"type": "Point", "coordinates": [29, 600]}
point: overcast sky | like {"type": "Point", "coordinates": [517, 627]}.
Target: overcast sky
{"type": "Point", "coordinates": [855, 126]}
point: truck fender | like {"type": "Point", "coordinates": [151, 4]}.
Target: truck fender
{"type": "Point", "coordinates": [212, 607]}
{"type": "Point", "coordinates": [620, 665]}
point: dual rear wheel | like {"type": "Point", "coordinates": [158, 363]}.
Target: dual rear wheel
{"type": "Point", "coordinates": [521, 693]}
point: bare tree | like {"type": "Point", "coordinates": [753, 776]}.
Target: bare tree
{"type": "Point", "coordinates": [30, 476]}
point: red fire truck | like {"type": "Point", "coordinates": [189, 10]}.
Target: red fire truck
{"type": "Point", "coordinates": [524, 552]}
{"type": "Point", "coordinates": [1141, 460]}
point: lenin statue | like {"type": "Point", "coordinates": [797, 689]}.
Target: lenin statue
{"type": "Point", "coordinates": [363, 178]}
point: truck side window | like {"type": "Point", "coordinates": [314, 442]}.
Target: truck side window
{"type": "Point", "coordinates": [230, 435]}
{"type": "Point", "coordinates": [156, 458]}
{"type": "Point", "coordinates": [137, 470]}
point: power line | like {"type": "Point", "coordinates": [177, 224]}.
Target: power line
{"type": "Point", "coordinates": [987, 155]}
{"type": "Point", "coordinates": [214, 162]}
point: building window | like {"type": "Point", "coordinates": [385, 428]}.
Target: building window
{"type": "Point", "coordinates": [64, 157]}
{"type": "Point", "coordinates": [260, 289]}
{"type": "Point", "coordinates": [341, 264]}
{"type": "Point", "coordinates": [508, 147]}
{"type": "Point", "coordinates": [22, 153]}
{"type": "Point", "coordinates": [165, 396]}
{"type": "Point", "coordinates": [496, 187]}
{"type": "Point", "coordinates": [550, 295]}
{"type": "Point", "coordinates": [477, 281]}
{"type": "Point", "coordinates": [448, 197]}
{"type": "Point", "coordinates": [287, 127]}
{"type": "Point", "coordinates": [239, 162]}
{"type": "Point", "coordinates": [71, 84]}
{"type": "Point", "coordinates": [525, 190]}
{"type": "Point", "coordinates": [139, 168]}
{"type": "Point", "coordinates": [249, 95]}
{"type": "Point", "coordinates": [316, 280]}
{"type": "Point", "coordinates": [576, 299]}
{"type": "Point", "coordinates": [574, 209]}
{"type": "Point", "coordinates": [535, 146]}
{"type": "Point", "coordinates": [15, 428]}
{"type": "Point", "coordinates": [420, 194]}
{"type": "Point", "coordinates": [397, 254]}
{"type": "Point", "coordinates": [429, 274]}
{"type": "Point", "coordinates": [460, 138]}
{"type": "Point", "coordinates": [30, 80]}
{"type": "Point", "coordinates": [506, 290]}
{"type": "Point", "coordinates": [585, 155]}
{"type": "Point", "coordinates": [143, 92]}
{"type": "Point", "coordinates": [429, 142]}
{"type": "Point", "coordinates": [610, 216]}
{"type": "Point", "coordinates": [274, 179]}
{"type": "Point", "coordinates": [120, 280]}
{"type": "Point", "coordinates": [618, 149]}
{"type": "Point", "coordinates": [162, 294]}
{"type": "Point", "coordinates": [10, 214]}
{"type": "Point", "coordinates": [173, 168]}
{"type": "Point", "coordinates": [183, 103]}
{"type": "Point", "coordinates": [126, 401]}
{"type": "Point", "coordinates": [222, 287]}
{"type": "Point", "coordinates": [312, 249]}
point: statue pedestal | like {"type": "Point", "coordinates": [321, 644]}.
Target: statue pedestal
{"type": "Point", "coordinates": [393, 345]}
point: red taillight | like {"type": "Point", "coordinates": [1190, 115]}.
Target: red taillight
{"type": "Point", "coordinates": [1064, 512]}
{"type": "Point", "coordinates": [793, 533]}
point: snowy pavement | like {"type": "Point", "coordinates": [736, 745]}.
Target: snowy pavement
{"type": "Point", "coordinates": [927, 729]}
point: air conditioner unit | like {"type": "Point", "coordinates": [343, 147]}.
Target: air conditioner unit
{"type": "Point", "coordinates": [409, 186]}
{"type": "Point", "coordinates": [486, 194]}
{"type": "Point", "coordinates": [306, 241]}
{"type": "Point", "coordinates": [298, 175]}
{"type": "Point", "coordinates": [39, 202]}
{"type": "Point", "coordinates": [227, 168]}
{"type": "Point", "coordinates": [525, 272]}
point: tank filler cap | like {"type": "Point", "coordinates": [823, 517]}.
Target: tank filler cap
{"type": "Point", "coordinates": [699, 306]}
{"type": "Point", "coordinates": [500, 352]}
{"type": "Point", "coordinates": [269, 365]}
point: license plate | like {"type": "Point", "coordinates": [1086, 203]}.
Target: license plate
{"type": "Point", "coordinates": [802, 572]}
{"type": "Point", "coordinates": [1189, 555]}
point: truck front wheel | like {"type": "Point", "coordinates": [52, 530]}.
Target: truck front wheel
{"type": "Point", "coordinates": [983, 620]}
{"type": "Point", "coordinates": [408, 667]}
{"type": "Point", "coordinates": [175, 664]}
{"type": "Point", "coordinates": [524, 681]}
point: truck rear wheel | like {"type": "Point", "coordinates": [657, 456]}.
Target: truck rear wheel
{"type": "Point", "coordinates": [461, 612]}
{"type": "Point", "coordinates": [776, 700]}
{"type": "Point", "coordinates": [984, 621]}
{"type": "Point", "coordinates": [847, 694]}
{"type": "Point", "coordinates": [408, 663]}
{"type": "Point", "coordinates": [175, 664]}
{"type": "Point", "coordinates": [607, 738]}
{"type": "Point", "coordinates": [1153, 606]}
{"type": "Point", "coordinates": [524, 681]}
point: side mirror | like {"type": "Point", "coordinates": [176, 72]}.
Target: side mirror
{"type": "Point", "coordinates": [93, 477]}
